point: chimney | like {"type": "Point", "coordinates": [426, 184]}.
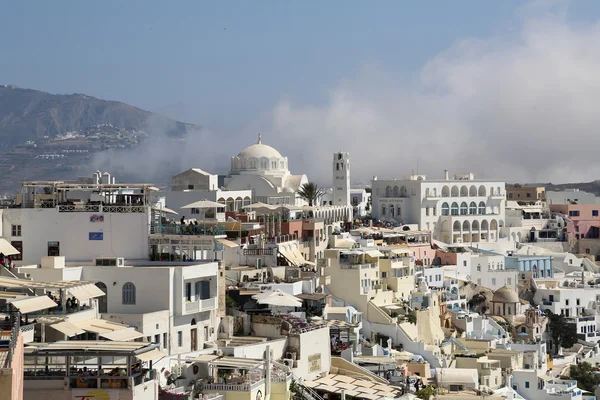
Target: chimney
{"type": "Point", "coordinates": [446, 176]}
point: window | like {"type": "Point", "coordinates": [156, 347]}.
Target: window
{"type": "Point", "coordinates": [493, 281]}
{"type": "Point", "coordinates": [573, 213]}
{"type": "Point", "coordinates": [157, 338]}
{"type": "Point", "coordinates": [165, 339]}
{"type": "Point", "coordinates": [180, 338]}
{"type": "Point", "coordinates": [195, 211]}
{"type": "Point", "coordinates": [53, 249]}
{"type": "Point", "coordinates": [594, 213]}
{"type": "Point", "coordinates": [526, 384]}
{"type": "Point", "coordinates": [445, 209]}
{"type": "Point", "coordinates": [464, 210]}
{"type": "Point", "coordinates": [188, 291]}
{"type": "Point", "coordinates": [510, 195]}
{"type": "Point", "coordinates": [478, 267]}
{"type": "Point", "coordinates": [427, 211]}
{"type": "Point", "coordinates": [472, 208]}
{"type": "Point", "coordinates": [479, 281]}
{"type": "Point", "coordinates": [566, 302]}
{"type": "Point", "coordinates": [19, 246]}
{"type": "Point", "coordinates": [464, 263]}
{"type": "Point", "coordinates": [551, 297]}
{"type": "Point", "coordinates": [454, 209]}
{"type": "Point", "coordinates": [202, 290]}
{"type": "Point", "coordinates": [190, 187]}
{"type": "Point", "coordinates": [16, 230]}
{"type": "Point", "coordinates": [508, 281]}
{"type": "Point", "coordinates": [129, 293]}
{"type": "Point", "coordinates": [481, 208]}
{"type": "Point", "coordinates": [384, 274]}
{"type": "Point", "coordinates": [578, 301]}
{"type": "Point", "coordinates": [528, 195]}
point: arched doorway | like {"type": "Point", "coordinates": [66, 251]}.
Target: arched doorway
{"type": "Point", "coordinates": [194, 336]}
{"type": "Point", "coordinates": [102, 301]}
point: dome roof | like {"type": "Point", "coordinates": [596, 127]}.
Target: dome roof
{"type": "Point", "coordinates": [259, 150]}
{"type": "Point", "coordinates": [505, 295]}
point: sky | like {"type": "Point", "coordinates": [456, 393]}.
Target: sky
{"type": "Point", "coordinates": [505, 89]}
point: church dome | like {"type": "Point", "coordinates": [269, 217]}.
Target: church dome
{"type": "Point", "coordinates": [259, 150]}
{"type": "Point", "coordinates": [505, 295]}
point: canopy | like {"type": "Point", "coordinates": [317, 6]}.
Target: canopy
{"type": "Point", "coordinates": [164, 210]}
{"type": "Point", "coordinates": [31, 304]}
{"type": "Point", "coordinates": [122, 335]}
{"type": "Point", "coordinates": [400, 251]}
{"type": "Point", "coordinates": [67, 328]}
{"type": "Point", "coordinates": [86, 292]}
{"type": "Point", "coordinates": [100, 326]}
{"type": "Point", "coordinates": [374, 253]}
{"type": "Point", "coordinates": [344, 244]}
{"type": "Point", "coordinates": [532, 210]}
{"type": "Point", "coordinates": [204, 204]}
{"type": "Point", "coordinates": [151, 355]}
{"type": "Point", "coordinates": [6, 248]}
{"type": "Point", "coordinates": [227, 243]}
{"type": "Point", "coordinates": [278, 298]}
{"type": "Point", "coordinates": [289, 256]}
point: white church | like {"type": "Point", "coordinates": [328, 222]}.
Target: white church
{"type": "Point", "coordinates": [264, 170]}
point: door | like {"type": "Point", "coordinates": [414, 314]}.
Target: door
{"type": "Point", "coordinates": [194, 335]}
{"type": "Point", "coordinates": [206, 333]}
{"type": "Point", "coordinates": [103, 300]}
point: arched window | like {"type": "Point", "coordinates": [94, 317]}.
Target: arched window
{"type": "Point", "coordinates": [482, 191]}
{"type": "Point", "coordinates": [523, 329]}
{"type": "Point", "coordinates": [102, 301]}
{"type": "Point", "coordinates": [129, 293]}
{"type": "Point", "coordinates": [455, 191]}
{"type": "Point", "coordinates": [403, 191]}
{"type": "Point", "coordinates": [473, 191]}
{"type": "Point", "coordinates": [472, 208]}
{"type": "Point", "coordinates": [445, 191]}
{"type": "Point", "coordinates": [464, 191]}
{"type": "Point", "coordinates": [388, 191]}
{"type": "Point", "coordinates": [395, 191]}
{"type": "Point", "coordinates": [454, 209]}
{"type": "Point", "coordinates": [463, 208]}
{"type": "Point", "coordinates": [481, 210]}
{"type": "Point", "coordinates": [445, 209]}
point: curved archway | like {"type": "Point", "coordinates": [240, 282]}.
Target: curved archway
{"type": "Point", "coordinates": [456, 226]}
{"type": "Point", "coordinates": [395, 191]}
{"type": "Point", "coordinates": [472, 208]}
{"type": "Point", "coordinates": [473, 191]}
{"type": "Point", "coordinates": [464, 209]}
{"type": "Point", "coordinates": [129, 294]}
{"type": "Point", "coordinates": [445, 209]}
{"type": "Point", "coordinates": [193, 321]}
{"type": "Point", "coordinates": [454, 192]}
{"type": "Point", "coordinates": [403, 191]}
{"type": "Point", "coordinates": [445, 191]}
{"type": "Point", "coordinates": [493, 225]}
{"type": "Point", "coordinates": [103, 300]}
{"type": "Point", "coordinates": [464, 191]}
{"type": "Point", "coordinates": [499, 191]}
{"type": "Point", "coordinates": [475, 225]}
{"type": "Point", "coordinates": [485, 225]}
{"type": "Point", "coordinates": [388, 191]}
{"type": "Point", "coordinates": [481, 191]}
{"type": "Point", "coordinates": [454, 208]}
{"type": "Point", "coordinates": [466, 226]}
{"type": "Point", "coordinates": [481, 208]}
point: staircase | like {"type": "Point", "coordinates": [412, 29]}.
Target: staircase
{"type": "Point", "coordinates": [306, 392]}
{"type": "Point", "coordinates": [458, 344]}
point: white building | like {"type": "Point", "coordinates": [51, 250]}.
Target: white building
{"type": "Point", "coordinates": [571, 196]}
{"type": "Point", "coordinates": [341, 179]}
{"type": "Point", "coordinates": [264, 170]}
{"type": "Point", "coordinates": [567, 297]}
{"type": "Point", "coordinates": [359, 199]}
{"type": "Point", "coordinates": [461, 210]}
{"type": "Point", "coordinates": [194, 179]}
{"type": "Point", "coordinates": [532, 385]}
{"type": "Point", "coordinates": [172, 305]}
{"type": "Point", "coordinates": [79, 220]}
{"type": "Point", "coordinates": [232, 200]}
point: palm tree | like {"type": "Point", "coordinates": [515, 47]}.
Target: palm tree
{"type": "Point", "coordinates": [311, 193]}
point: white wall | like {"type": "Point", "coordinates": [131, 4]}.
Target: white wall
{"type": "Point", "coordinates": [125, 234]}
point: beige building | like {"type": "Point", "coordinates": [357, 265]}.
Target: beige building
{"type": "Point", "coordinates": [529, 194]}
{"type": "Point", "coordinates": [397, 268]}
{"type": "Point", "coordinates": [489, 371]}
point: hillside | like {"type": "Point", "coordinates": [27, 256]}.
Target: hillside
{"type": "Point", "coordinates": [590, 187]}
{"type": "Point", "coordinates": [51, 136]}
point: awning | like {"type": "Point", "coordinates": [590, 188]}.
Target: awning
{"type": "Point", "coordinates": [374, 253]}
{"type": "Point", "coordinates": [151, 355]}
{"type": "Point", "coordinates": [532, 210]}
{"type": "Point", "coordinates": [227, 243]}
{"type": "Point", "coordinates": [100, 326]}
{"type": "Point", "coordinates": [6, 248]}
{"type": "Point", "coordinates": [67, 328]}
{"type": "Point", "coordinates": [299, 257]}
{"type": "Point", "coordinates": [122, 335]}
{"type": "Point", "coordinates": [86, 292]}
{"type": "Point", "coordinates": [400, 251]}
{"type": "Point", "coordinates": [288, 256]}
{"type": "Point", "coordinates": [31, 304]}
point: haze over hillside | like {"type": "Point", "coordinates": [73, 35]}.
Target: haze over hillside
{"type": "Point", "coordinates": [51, 136]}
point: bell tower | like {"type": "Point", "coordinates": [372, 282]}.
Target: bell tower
{"type": "Point", "coordinates": [341, 179]}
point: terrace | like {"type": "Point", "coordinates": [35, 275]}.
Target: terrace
{"type": "Point", "coordinates": [89, 364]}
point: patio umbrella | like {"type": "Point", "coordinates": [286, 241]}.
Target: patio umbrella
{"type": "Point", "coordinates": [279, 299]}
{"type": "Point", "coordinates": [204, 204]}
{"type": "Point", "coordinates": [164, 210]}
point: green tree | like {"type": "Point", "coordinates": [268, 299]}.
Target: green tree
{"type": "Point", "coordinates": [311, 193]}
{"type": "Point", "coordinates": [426, 393]}
{"type": "Point", "coordinates": [585, 376]}
{"type": "Point", "coordinates": [562, 333]}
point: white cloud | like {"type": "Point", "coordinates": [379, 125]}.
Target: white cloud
{"type": "Point", "coordinates": [520, 107]}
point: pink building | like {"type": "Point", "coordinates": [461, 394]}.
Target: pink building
{"type": "Point", "coordinates": [585, 217]}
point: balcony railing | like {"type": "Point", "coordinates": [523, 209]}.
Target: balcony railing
{"type": "Point", "coordinates": [176, 229]}
{"type": "Point", "coordinates": [225, 387]}
{"type": "Point", "coordinates": [358, 266]}
{"type": "Point", "coordinates": [99, 208]}
{"type": "Point", "coordinates": [200, 305]}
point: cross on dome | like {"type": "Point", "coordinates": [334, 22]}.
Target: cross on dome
{"type": "Point", "coordinates": [259, 138]}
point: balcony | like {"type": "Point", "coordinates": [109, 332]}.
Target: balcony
{"type": "Point", "coordinates": [228, 387]}
{"type": "Point", "coordinates": [198, 230]}
{"type": "Point", "coordinates": [358, 266]}
{"type": "Point", "coordinates": [200, 305]}
{"type": "Point", "coordinates": [99, 208]}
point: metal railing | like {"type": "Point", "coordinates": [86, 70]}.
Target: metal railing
{"type": "Point", "coordinates": [176, 229]}
{"type": "Point", "coordinates": [15, 318]}
{"type": "Point", "coordinates": [229, 387]}
{"type": "Point", "coordinates": [102, 208]}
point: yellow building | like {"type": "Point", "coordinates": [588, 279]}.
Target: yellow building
{"type": "Point", "coordinates": [397, 268]}
{"type": "Point", "coordinates": [529, 194]}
